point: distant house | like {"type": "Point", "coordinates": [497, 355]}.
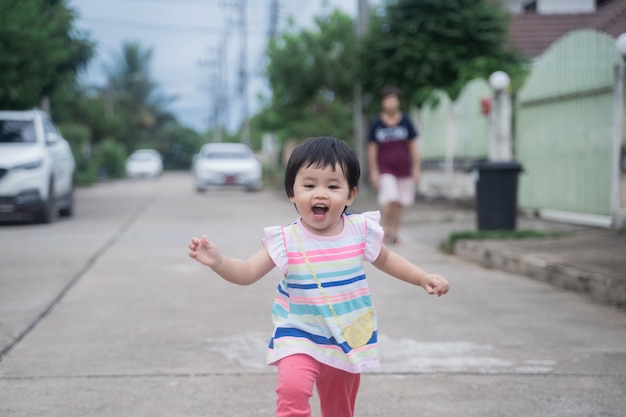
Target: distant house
{"type": "Point", "coordinates": [536, 24]}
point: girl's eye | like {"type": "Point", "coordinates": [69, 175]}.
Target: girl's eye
{"type": "Point", "coordinates": [308, 185]}
{"type": "Point", "coordinates": [333, 187]}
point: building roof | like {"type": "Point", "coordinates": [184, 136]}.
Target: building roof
{"type": "Point", "coordinates": [533, 33]}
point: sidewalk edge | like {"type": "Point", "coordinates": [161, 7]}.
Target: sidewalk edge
{"type": "Point", "coordinates": [595, 286]}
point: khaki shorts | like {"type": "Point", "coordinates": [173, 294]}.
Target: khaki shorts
{"type": "Point", "coordinates": [392, 189]}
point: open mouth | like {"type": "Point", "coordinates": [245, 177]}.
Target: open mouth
{"type": "Point", "coordinates": [319, 210]}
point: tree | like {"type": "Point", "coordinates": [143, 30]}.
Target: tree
{"type": "Point", "coordinates": [422, 45]}
{"type": "Point", "coordinates": [311, 73]}
{"type": "Point", "coordinates": [132, 92]}
{"type": "Point", "coordinates": [40, 50]}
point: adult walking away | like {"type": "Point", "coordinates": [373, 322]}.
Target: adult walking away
{"type": "Point", "coordinates": [393, 160]}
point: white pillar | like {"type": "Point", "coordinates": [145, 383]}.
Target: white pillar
{"type": "Point", "coordinates": [500, 129]}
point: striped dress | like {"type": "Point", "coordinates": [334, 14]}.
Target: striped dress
{"type": "Point", "coordinates": [304, 323]}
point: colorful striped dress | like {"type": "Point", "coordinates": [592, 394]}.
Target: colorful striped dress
{"type": "Point", "coordinates": [304, 323]}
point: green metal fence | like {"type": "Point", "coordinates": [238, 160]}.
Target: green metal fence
{"type": "Point", "coordinates": [473, 126]}
{"type": "Point", "coordinates": [563, 126]}
{"type": "Point", "coordinates": [458, 127]}
{"type": "Point", "coordinates": [433, 126]}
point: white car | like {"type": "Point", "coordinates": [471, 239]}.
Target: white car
{"type": "Point", "coordinates": [144, 163]}
{"type": "Point", "coordinates": [36, 166]}
{"type": "Point", "coordinates": [227, 164]}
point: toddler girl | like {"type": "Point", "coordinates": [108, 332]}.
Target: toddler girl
{"type": "Point", "coordinates": [325, 324]}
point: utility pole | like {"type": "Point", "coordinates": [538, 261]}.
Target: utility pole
{"type": "Point", "coordinates": [217, 86]}
{"type": "Point", "coordinates": [357, 110]}
{"type": "Point", "coordinates": [243, 73]}
{"type": "Point", "coordinates": [273, 30]}
{"type": "Point", "coordinates": [219, 95]}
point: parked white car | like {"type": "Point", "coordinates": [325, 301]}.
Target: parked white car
{"type": "Point", "coordinates": [227, 164]}
{"type": "Point", "coordinates": [36, 166]}
{"type": "Point", "coordinates": [144, 163]}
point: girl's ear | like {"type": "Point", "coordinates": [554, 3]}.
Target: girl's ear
{"type": "Point", "coordinates": [351, 196]}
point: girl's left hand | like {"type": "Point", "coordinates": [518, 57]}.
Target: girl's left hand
{"type": "Point", "coordinates": [435, 284]}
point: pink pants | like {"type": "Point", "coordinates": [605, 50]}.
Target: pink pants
{"type": "Point", "coordinates": [297, 374]}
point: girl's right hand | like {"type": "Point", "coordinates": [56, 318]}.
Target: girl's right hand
{"type": "Point", "coordinates": [205, 251]}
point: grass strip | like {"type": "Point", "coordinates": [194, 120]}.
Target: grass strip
{"type": "Point", "coordinates": [448, 244]}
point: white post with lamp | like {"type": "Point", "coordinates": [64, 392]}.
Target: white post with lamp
{"type": "Point", "coordinates": [500, 132]}
{"type": "Point", "coordinates": [618, 201]}
{"type": "Point", "coordinates": [496, 179]}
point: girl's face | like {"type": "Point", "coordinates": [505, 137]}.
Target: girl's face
{"type": "Point", "coordinates": [320, 196]}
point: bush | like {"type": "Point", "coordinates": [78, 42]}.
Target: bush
{"type": "Point", "coordinates": [78, 137]}
{"type": "Point", "coordinates": [112, 158]}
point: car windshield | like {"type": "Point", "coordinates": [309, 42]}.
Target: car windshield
{"type": "Point", "coordinates": [143, 157]}
{"type": "Point", "coordinates": [17, 131]}
{"type": "Point", "coordinates": [226, 155]}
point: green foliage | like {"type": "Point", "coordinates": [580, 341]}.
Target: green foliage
{"type": "Point", "coordinates": [131, 92]}
{"type": "Point", "coordinates": [321, 117]}
{"type": "Point", "coordinates": [448, 244]}
{"type": "Point", "coordinates": [177, 144]}
{"type": "Point", "coordinates": [112, 157]}
{"type": "Point", "coordinates": [311, 73]}
{"type": "Point", "coordinates": [40, 50]}
{"type": "Point", "coordinates": [423, 45]}
{"type": "Point", "coordinates": [79, 138]}
{"type": "Point", "coordinates": [91, 108]}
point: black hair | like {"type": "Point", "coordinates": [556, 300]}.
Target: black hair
{"type": "Point", "coordinates": [323, 152]}
{"type": "Point", "coordinates": [389, 90]}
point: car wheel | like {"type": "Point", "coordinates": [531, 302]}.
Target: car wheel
{"type": "Point", "coordinates": [253, 188]}
{"type": "Point", "coordinates": [68, 210]}
{"type": "Point", "coordinates": [47, 212]}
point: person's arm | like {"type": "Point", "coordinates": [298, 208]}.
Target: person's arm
{"type": "Point", "coordinates": [372, 156]}
{"type": "Point", "coordinates": [400, 268]}
{"type": "Point", "coordinates": [233, 270]}
{"type": "Point", "coordinates": [415, 160]}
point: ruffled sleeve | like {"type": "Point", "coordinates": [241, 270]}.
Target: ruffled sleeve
{"type": "Point", "coordinates": [275, 243]}
{"type": "Point", "coordinates": [374, 235]}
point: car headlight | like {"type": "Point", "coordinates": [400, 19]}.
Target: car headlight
{"type": "Point", "coordinates": [30, 165]}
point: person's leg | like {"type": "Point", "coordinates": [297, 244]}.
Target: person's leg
{"type": "Point", "coordinates": [296, 377]}
{"type": "Point", "coordinates": [406, 198]}
{"type": "Point", "coordinates": [391, 221]}
{"type": "Point", "coordinates": [337, 390]}
{"type": "Point", "coordinates": [388, 200]}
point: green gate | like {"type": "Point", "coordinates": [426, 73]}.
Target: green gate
{"type": "Point", "coordinates": [563, 127]}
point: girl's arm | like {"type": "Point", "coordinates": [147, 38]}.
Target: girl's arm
{"type": "Point", "coordinates": [398, 267]}
{"type": "Point", "coordinates": [233, 270]}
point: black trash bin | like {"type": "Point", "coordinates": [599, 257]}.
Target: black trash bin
{"type": "Point", "coordinates": [496, 194]}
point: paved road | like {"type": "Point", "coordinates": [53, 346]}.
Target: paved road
{"type": "Point", "coordinates": [112, 319]}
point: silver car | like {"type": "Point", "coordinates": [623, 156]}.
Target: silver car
{"type": "Point", "coordinates": [227, 164]}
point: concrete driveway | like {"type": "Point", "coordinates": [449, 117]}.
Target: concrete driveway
{"type": "Point", "coordinates": [105, 315]}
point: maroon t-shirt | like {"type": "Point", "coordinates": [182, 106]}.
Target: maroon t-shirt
{"type": "Point", "coordinates": [394, 156]}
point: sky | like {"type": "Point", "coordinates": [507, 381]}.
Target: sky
{"type": "Point", "coordinates": [186, 37]}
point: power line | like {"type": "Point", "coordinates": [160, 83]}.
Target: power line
{"type": "Point", "coordinates": [172, 2]}
{"type": "Point", "coordinates": [129, 24]}
{"type": "Point", "coordinates": [159, 27]}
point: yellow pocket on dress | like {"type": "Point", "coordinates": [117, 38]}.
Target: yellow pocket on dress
{"type": "Point", "coordinates": [360, 332]}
